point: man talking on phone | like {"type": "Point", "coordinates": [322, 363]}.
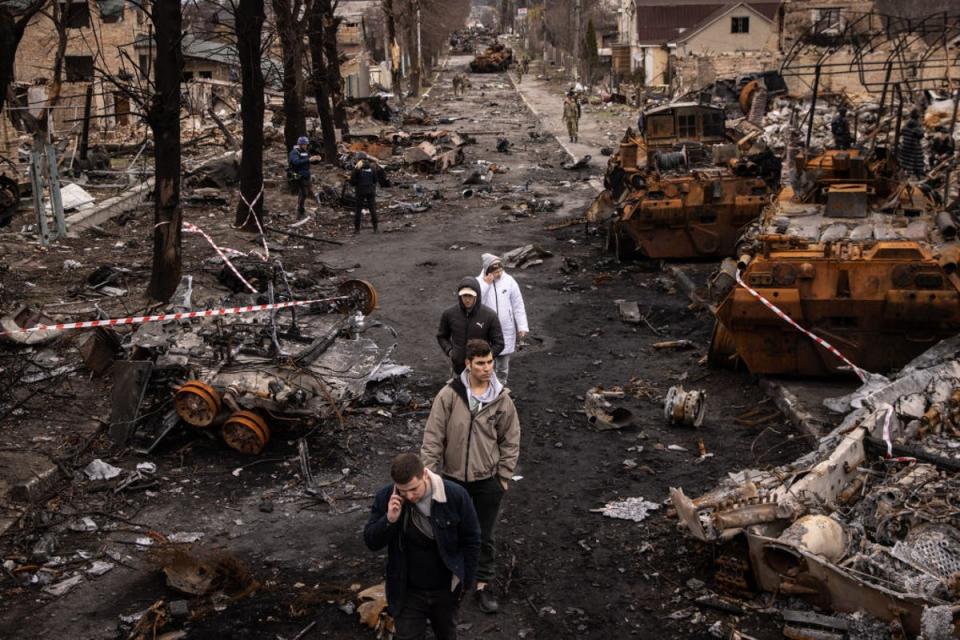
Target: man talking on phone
{"type": "Point", "coordinates": [430, 529]}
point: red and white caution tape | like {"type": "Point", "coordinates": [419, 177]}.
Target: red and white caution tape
{"type": "Point", "coordinates": [162, 317]}
{"type": "Point", "coordinates": [265, 256]}
{"type": "Point", "coordinates": [820, 341]}
{"type": "Point", "coordinates": [189, 227]}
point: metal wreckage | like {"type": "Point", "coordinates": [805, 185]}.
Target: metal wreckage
{"type": "Point", "coordinates": [247, 375]}
{"type": "Point", "coordinates": [681, 188]}
{"type": "Point", "coordinates": [869, 521]}
{"type": "Point", "coordinates": [866, 259]}
{"type": "Point", "coordinates": [853, 249]}
{"type": "Point", "coordinates": [494, 59]}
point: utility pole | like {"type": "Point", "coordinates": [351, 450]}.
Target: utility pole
{"type": "Point", "coordinates": [577, 38]}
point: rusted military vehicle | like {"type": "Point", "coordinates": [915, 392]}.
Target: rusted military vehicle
{"type": "Point", "coordinates": [494, 59]}
{"type": "Point", "coordinates": [680, 188]}
{"type": "Point", "coordinates": [863, 260]}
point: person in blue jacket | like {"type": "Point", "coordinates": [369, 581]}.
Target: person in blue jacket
{"type": "Point", "coordinates": [432, 535]}
{"type": "Point", "coordinates": [299, 160]}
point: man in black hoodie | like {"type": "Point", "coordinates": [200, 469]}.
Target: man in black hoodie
{"type": "Point", "coordinates": [466, 320]}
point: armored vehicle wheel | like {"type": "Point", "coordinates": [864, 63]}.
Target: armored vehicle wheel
{"type": "Point", "coordinates": [361, 297]}
{"type": "Point", "coordinates": [197, 403]}
{"type": "Point", "coordinates": [246, 432]}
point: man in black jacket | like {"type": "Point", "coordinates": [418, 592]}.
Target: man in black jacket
{"type": "Point", "coordinates": [367, 174]}
{"type": "Point", "coordinates": [430, 529]}
{"type": "Point", "coordinates": [466, 320]}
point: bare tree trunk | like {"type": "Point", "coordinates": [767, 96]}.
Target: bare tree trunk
{"type": "Point", "coordinates": [249, 26]}
{"type": "Point", "coordinates": [291, 29]}
{"type": "Point", "coordinates": [393, 47]}
{"type": "Point", "coordinates": [411, 33]}
{"type": "Point", "coordinates": [330, 51]}
{"type": "Point", "coordinates": [11, 32]}
{"type": "Point", "coordinates": [163, 116]}
{"type": "Point", "coordinates": [320, 86]}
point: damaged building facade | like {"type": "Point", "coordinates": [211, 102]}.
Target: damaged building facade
{"type": "Point", "coordinates": [101, 37]}
{"type": "Point", "coordinates": [687, 44]}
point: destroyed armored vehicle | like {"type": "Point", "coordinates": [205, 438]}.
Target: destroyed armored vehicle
{"type": "Point", "coordinates": [681, 189]}
{"type": "Point", "coordinates": [494, 59]}
{"type": "Point", "coordinates": [861, 259]}
{"type": "Point", "coordinates": [244, 376]}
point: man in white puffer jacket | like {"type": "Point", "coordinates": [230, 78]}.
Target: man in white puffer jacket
{"type": "Point", "coordinates": [501, 293]}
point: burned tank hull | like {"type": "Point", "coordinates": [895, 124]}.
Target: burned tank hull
{"type": "Point", "coordinates": [865, 263]}
{"type": "Point", "coordinates": [694, 216]}
{"type": "Point", "coordinates": [681, 196]}
{"type": "Point", "coordinates": [493, 60]}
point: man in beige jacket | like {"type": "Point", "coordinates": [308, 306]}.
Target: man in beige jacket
{"type": "Point", "coordinates": [473, 438]}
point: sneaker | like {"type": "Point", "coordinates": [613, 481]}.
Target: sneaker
{"type": "Point", "coordinates": [486, 601]}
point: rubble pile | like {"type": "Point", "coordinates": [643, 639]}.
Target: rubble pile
{"type": "Point", "coordinates": [787, 114]}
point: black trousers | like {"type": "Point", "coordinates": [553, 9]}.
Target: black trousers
{"type": "Point", "coordinates": [439, 607]}
{"type": "Point", "coordinates": [486, 495]}
{"type": "Point", "coordinates": [365, 201]}
{"type": "Point", "coordinates": [303, 192]}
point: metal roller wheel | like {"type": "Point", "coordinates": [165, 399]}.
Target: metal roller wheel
{"type": "Point", "coordinates": [246, 432]}
{"type": "Point", "coordinates": [197, 403]}
{"type": "Point", "coordinates": [361, 295]}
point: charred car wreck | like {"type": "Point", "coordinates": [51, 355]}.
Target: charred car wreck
{"type": "Point", "coordinates": [681, 188]}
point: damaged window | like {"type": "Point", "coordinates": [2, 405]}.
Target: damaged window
{"type": "Point", "coordinates": [111, 11]}
{"type": "Point", "coordinates": [687, 126]}
{"type": "Point", "coordinates": [79, 68]}
{"type": "Point", "coordinates": [75, 14]}
{"type": "Point", "coordinates": [660, 126]}
{"type": "Point", "coordinates": [826, 20]}
{"type": "Point", "coordinates": [740, 24]}
{"type": "Point", "coordinates": [713, 124]}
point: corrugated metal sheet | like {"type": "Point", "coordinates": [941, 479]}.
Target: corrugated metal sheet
{"type": "Point", "coordinates": [661, 22]}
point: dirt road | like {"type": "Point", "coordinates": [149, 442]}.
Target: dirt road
{"type": "Point", "coordinates": [564, 570]}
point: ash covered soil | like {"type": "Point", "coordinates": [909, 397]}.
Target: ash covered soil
{"type": "Point", "coordinates": [565, 571]}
